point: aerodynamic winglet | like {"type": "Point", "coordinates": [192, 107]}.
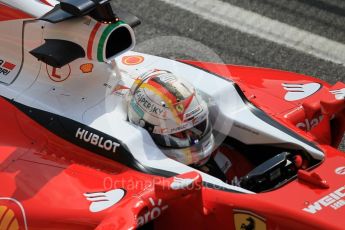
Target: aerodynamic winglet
{"type": "Point", "coordinates": [57, 15]}
{"type": "Point", "coordinates": [101, 11]}
{"type": "Point", "coordinates": [58, 53]}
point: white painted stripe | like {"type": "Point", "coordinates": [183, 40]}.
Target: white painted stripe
{"type": "Point", "coordinates": [272, 30]}
{"type": "Point", "coordinates": [152, 201]}
{"type": "Point", "coordinates": [33, 7]}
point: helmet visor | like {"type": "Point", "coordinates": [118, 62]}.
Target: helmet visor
{"type": "Point", "coordinates": [185, 138]}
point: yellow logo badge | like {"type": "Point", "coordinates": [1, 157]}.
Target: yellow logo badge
{"type": "Point", "coordinates": [8, 219]}
{"type": "Point", "coordinates": [12, 214]}
{"type": "Point", "coordinates": [245, 220]}
{"type": "Point", "coordinates": [180, 108]}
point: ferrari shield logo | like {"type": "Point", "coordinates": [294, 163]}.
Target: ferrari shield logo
{"type": "Point", "coordinates": [9, 220]}
{"type": "Point", "coordinates": [12, 216]}
{"type": "Point", "coordinates": [180, 108]}
{"type": "Point", "coordinates": [244, 220]}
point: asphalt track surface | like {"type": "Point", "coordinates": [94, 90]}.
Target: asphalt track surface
{"type": "Point", "coordinates": [182, 33]}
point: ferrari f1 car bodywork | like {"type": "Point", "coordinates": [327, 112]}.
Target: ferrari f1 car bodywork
{"type": "Point", "coordinates": [69, 158]}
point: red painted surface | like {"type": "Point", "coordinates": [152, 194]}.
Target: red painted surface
{"type": "Point", "coordinates": [45, 2]}
{"type": "Point", "coordinates": [8, 13]}
{"type": "Point", "coordinates": [49, 176]}
{"type": "Point", "coordinates": [44, 172]}
{"type": "Point", "coordinates": [9, 65]}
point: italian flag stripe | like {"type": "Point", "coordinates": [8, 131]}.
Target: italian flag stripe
{"type": "Point", "coordinates": [91, 39]}
{"type": "Point", "coordinates": [103, 38]}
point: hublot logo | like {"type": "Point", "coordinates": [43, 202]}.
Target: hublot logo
{"type": "Point", "coordinates": [96, 140]}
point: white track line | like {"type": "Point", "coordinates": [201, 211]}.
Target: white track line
{"type": "Point", "coordinates": [272, 30]}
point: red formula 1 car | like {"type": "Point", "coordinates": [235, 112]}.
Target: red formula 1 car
{"type": "Point", "coordinates": [71, 156]}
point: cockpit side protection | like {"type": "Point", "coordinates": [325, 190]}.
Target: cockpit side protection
{"type": "Point", "coordinates": [261, 114]}
{"type": "Point", "coordinates": [95, 141]}
{"type": "Point", "coordinates": [88, 138]}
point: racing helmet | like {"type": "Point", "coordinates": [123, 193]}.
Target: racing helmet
{"type": "Point", "coordinates": [174, 114]}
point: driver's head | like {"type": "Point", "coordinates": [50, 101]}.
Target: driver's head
{"type": "Point", "coordinates": [175, 115]}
